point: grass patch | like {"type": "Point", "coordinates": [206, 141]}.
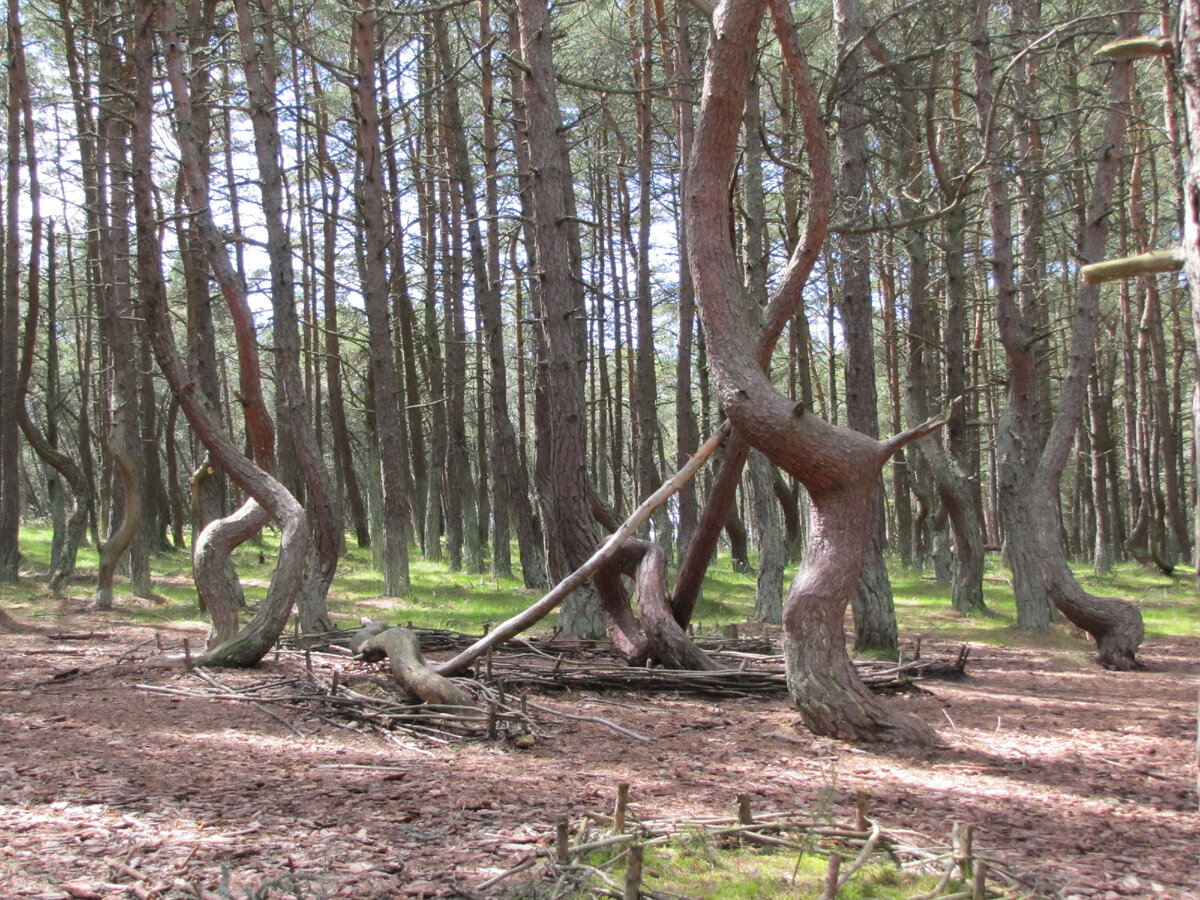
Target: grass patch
{"type": "Point", "coordinates": [697, 865]}
{"type": "Point", "coordinates": [465, 602]}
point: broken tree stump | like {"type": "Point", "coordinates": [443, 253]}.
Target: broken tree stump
{"type": "Point", "coordinates": [403, 651]}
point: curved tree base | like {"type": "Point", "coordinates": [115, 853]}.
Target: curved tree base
{"type": "Point", "coordinates": [403, 651]}
{"type": "Point", "coordinates": [660, 637]}
{"type": "Point", "coordinates": [251, 644]}
{"type": "Point", "coordinates": [216, 581]}
{"type": "Point", "coordinates": [821, 677]}
{"type": "Point", "coordinates": [112, 549]}
{"type": "Point", "coordinates": [1116, 625]}
{"type": "Point", "coordinates": [834, 702]}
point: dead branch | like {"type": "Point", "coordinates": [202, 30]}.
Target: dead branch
{"type": "Point", "coordinates": [576, 579]}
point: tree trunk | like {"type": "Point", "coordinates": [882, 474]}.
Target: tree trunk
{"type": "Point", "coordinates": [258, 62]}
{"type": "Point", "coordinates": [1189, 33]}
{"type": "Point", "coordinates": [1114, 624]}
{"type": "Point", "coordinates": [562, 441]}
{"type": "Point", "coordinates": [10, 441]}
{"type": "Point", "coordinates": [768, 590]}
{"type": "Point", "coordinates": [389, 401]}
{"type": "Point", "coordinates": [840, 467]}
{"type": "Point", "coordinates": [116, 326]}
{"type": "Point", "coordinates": [219, 592]}
{"type": "Point", "coordinates": [874, 614]}
{"type": "Point", "coordinates": [250, 644]}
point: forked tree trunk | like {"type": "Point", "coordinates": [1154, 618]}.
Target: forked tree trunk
{"type": "Point", "coordinates": [839, 467]}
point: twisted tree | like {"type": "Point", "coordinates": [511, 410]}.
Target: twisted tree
{"type": "Point", "coordinates": [839, 467]}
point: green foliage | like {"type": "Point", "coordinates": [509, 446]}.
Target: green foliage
{"type": "Point", "coordinates": [699, 864]}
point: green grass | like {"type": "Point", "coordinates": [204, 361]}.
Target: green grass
{"type": "Point", "coordinates": [444, 599]}
{"type": "Point", "coordinates": [698, 865]}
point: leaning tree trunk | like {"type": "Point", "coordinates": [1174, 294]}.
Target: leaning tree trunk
{"type": "Point", "coordinates": [839, 467]}
{"type": "Point", "coordinates": [1115, 624]}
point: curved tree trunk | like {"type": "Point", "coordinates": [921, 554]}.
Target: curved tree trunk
{"type": "Point", "coordinates": [67, 536]}
{"type": "Point", "coordinates": [1036, 467]}
{"type": "Point", "coordinates": [839, 467]}
{"type": "Point", "coordinates": [212, 568]}
{"type": "Point", "coordinates": [217, 586]}
{"type": "Point", "coordinates": [251, 643]}
{"type": "Point", "coordinates": [112, 549]}
{"type": "Point", "coordinates": [1115, 625]}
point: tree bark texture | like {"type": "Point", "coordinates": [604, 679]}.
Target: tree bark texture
{"type": "Point", "coordinates": [874, 615]}
{"type": "Point", "coordinates": [839, 467]}
{"type": "Point", "coordinates": [562, 439]}
{"type": "Point", "coordinates": [389, 400]}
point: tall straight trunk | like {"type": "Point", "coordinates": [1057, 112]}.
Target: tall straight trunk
{"type": "Point", "coordinates": [435, 372]}
{"type": "Point", "coordinates": [901, 491]}
{"type": "Point", "coordinates": [388, 396]}
{"type": "Point", "coordinates": [562, 478]}
{"type": "Point", "coordinates": [331, 194]}
{"type": "Point", "coordinates": [404, 323]}
{"type": "Point", "coordinates": [10, 446]}
{"type": "Point", "coordinates": [68, 530]}
{"type": "Point", "coordinates": [687, 436]}
{"type": "Point", "coordinates": [511, 482]}
{"type": "Point", "coordinates": [874, 614]}
{"type": "Point", "coordinates": [1189, 38]}
{"type": "Point", "coordinates": [646, 393]}
{"type": "Point", "coordinates": [258, 64]}
{"type": "Point", "coordinates": [116, 325]}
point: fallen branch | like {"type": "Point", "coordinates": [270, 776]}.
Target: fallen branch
{"type": "Point", "coordinates": [584, 573]}
{"type": "Point", "coordinates": [403, 651]}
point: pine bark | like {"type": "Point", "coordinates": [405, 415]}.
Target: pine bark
{"type": "Point", "coordinates": [387, 387]}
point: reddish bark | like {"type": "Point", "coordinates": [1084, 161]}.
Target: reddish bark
{"type": "Point", "coordinates": [839, 467]}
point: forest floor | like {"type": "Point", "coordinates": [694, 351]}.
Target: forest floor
{"type": "Point", "coordinates": [1080, 781]}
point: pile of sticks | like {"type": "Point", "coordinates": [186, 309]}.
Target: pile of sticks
{"type": "Point", "coordinates": [751, 666]}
